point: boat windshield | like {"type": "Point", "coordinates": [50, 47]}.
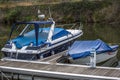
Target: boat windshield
{"type": "Point", "coordinates": [29, 33]}
{"type": "Point", "coordinates": [24, 29]}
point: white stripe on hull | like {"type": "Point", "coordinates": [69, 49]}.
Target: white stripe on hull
{"type": "Point", "coordinates": [99, 58]}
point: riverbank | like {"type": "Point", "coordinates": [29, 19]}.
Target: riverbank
{"type": "Point", "coordinates": [15, 3]}
{"type": "Point", "coordinates": [105, 15]}
{"type": "Point", "coordinates": [104, 11]}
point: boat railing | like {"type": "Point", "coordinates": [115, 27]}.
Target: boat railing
{"type": "Point", "coordinates": [75, 26]}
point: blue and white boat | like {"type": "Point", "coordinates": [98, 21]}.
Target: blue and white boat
{"type": "Point", "coordinates": [38, 39]}
{"type": "Point", "coordinates": [80, 51]}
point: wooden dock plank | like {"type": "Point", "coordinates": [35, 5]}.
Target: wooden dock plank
{"type": "Point", "coordinates": [60, 69]}
{"type": "Point", "coordinates": [53, 58]}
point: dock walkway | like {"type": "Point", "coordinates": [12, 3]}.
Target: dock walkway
{"type": "Point", "coordinates": [57, 70]}
{"type": "Point", "coordinates": [53, 58]}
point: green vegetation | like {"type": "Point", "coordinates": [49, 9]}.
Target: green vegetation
{"type": "Point", "coordinates": [109, 14]}
{"type": "Point", "coordinates": [105, 11]}
{"type": "Point", "coordinates": [3, 1]}
{"type": "Point", "coordinates": [86, 11]}
{"type": "Point", "coordinates": [12, 16]}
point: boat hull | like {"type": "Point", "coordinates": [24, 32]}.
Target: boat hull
{"type": "Point", "coordinates": [43, 53]}
{"type": "Point", "coordinates": [58, 47]}
{"type": "Point", "coordinates": [99, 58]}
{"type": "Point", "coordinates": [55, 50]}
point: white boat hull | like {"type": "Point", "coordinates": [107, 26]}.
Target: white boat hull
{"type": "Point", "coordinates": [99, 58]}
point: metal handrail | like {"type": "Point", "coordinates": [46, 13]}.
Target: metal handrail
{"type": "Point", "coordinates": [74, 25]}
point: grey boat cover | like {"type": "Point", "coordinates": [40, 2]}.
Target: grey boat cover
{"type": "Point", "coordinates": [81, 49]}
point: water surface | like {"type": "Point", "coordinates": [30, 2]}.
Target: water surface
{"type": "Point", "coordinates": [109, 33]}
{"type": "Point", "coordinates": [106, 32]}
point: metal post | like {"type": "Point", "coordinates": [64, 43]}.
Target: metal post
{"type": "Point", "coordinates": [12, 76]}
{"type": "Point", "coordinates": [1, 75]}
{"type": "Point", "coordinates": [32, 77]}
{"type": "Point", "coordinates": [18, 77]}
{"type": "Point", "coordinates": [41, 57]}
{"type": "Point", "coordinates": [93, 59]}
{"type": "Point", "coordinates": [53, 52]}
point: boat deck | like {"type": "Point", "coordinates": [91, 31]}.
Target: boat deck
{"type": "Point", "coordinates": [53, 58]}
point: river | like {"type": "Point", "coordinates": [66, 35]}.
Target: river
{"type": "Point", "coordinates": [109, 33]}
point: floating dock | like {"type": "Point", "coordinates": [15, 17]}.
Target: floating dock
{"type": "Point", "coordinates": [49, 68]}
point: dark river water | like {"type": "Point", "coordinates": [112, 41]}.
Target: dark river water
{"type": "Point", "coordinates": [106, 32]}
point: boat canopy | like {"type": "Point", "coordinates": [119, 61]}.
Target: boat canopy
{"type": "Point", "coordinates": [36, 27]}
{"type": "Point", "coordinates": [29, 37]}
{"type": "Point", "coordinates": [35, 22]}
{"type": "Point", "coordinates": [81, 49]}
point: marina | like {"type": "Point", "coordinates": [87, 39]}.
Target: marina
{"type": "Point", "coordinates": [52, 69]}
{"type": "Point", "coordinates": [39, 39]}
{"type": "Point", "coordinates": [49, 68]}
{"type": "Point", "coordinates": [80, 43]}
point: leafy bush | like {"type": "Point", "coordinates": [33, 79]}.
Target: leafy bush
{"type": "Point", "coordinates": [85, 11]}
{"type": "Point", "coordinates": [12, 16]}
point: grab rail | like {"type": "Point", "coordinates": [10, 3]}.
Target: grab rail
{"type": "Point", "coordinates": [77, 25]}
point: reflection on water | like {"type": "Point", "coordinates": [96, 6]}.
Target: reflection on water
{"type": "Point", "coordinates": [108, 33]}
